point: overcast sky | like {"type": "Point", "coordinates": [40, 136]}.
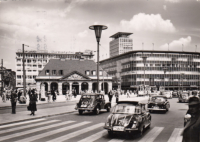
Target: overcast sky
{"type": "Point", "coordinates": [63, 25]}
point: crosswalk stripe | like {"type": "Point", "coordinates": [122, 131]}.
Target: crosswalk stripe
{"type": "Point", "coordinates": [176, 135]}
{"type": "Point", "coordinates": [33, 130]}
{"type": "Point", "coordinates": [27, 126]}
{"type": "Point", "coordinates": [151, 136]}
{"type": "Point", "coordinates": [42, 135]}
{"type": "Point", "coordinates": [93, 137]}
{"type": "Point", "coordinates": [20, 123]}
{"type": "Point", "coordinates": [76, 133]}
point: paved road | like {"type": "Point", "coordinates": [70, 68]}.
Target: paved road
{"type": "Point", "coordinates": [88, 127]}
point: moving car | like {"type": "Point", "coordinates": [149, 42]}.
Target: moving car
{"type": "Point", "coordinates": [128, 116]}
{"type": "Point", "coordinates": [175, 94]}
{"type": "Point", "coordinates": [183, 97]}
{"type": "Point", "coordinates": [92, 102]}
{"type": "Point", "coordinates": [168, 94]}
{"type": "Point", "coordinates": [158, 103]}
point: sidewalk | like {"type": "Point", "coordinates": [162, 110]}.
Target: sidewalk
{"type": "Point", "coordinates": [7, 118]}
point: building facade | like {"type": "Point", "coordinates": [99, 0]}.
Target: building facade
{"type": "Point", "coordinates": [35, 61]}
{"type": "Point", "coordinates": [174, 70]}
{"type": "Point", "coordinates": [68, 74]}
{"type": "Point", "coordinates": [121, 43]}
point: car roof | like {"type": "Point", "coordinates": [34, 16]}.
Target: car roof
{"type": "Point", "coordinates": [136, 100]}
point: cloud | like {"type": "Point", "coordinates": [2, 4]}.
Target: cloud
{"type": "Point", "coordinates": [83, 34]}
{"type": "Point", "coordinates": [177, 44]}
{"type": "Point", "coordinates": [173, 1]}
{"type": "Point", "coordinates": [146, 22]}
{"type": "Point", "coordinates": [164, 7]}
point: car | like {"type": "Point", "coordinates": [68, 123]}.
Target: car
{"type": "Point", "coordinates": [93, 102]}
{"type": "Point", "coordinates": [175, 94]}
{"type": "Point", "coordinates": [183, 97]}
{"type": "Point", "coordinates": [128, 116]}
{"type": "Point", "coordinates": [168, 94]}
{"type": "Point", "coordinates": [158, 103]}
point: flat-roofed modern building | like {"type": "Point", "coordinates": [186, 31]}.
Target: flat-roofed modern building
{"type": "Point", "coordinates": [36, 60]}
{"type": "Point", "coordinates": [174, 70]}
{"type": "Point", "coordinates": [121, 43]}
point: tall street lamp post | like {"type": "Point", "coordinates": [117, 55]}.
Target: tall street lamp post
{"type": "Point", "coordinates": [144, 59]}
{"type": "Point", "coordinates": [182, 75]}
{"type": "Point", "coordinates": [165, 70]}
{"type": "Point", "coordinates": [98, 29]}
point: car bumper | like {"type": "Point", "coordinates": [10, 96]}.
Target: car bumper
{"type": "Point", "coordinates": [87, 109]}
{"type": "Point", "coordinates": [159, 109]}
{"type": "Point", "coordinates": [109, 128]}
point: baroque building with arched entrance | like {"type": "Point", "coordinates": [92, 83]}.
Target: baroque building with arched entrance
{"type": "Point", "coordinates": [63, 75]}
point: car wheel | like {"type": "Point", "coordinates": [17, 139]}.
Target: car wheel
{"type": "Point", "coordinates": [108, 109]}
{"type": "Point", "coordinates": [97, 111]}
{"type": "Point", "coordinates": [80, 112]}
{"type": "Point", "coordinates": [110, 133]}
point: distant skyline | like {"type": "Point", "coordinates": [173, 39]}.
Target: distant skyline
{"type": "Point", "coordinates": [63, 25]}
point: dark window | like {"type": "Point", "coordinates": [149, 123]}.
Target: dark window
{"type": "Point", "coordinates": [53, 72]}
{"type": "Point", "coordinates": [60, 72]}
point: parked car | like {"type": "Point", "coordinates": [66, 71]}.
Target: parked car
{"type": "Point", "coordinates": [168, 94]}
{"type": "Point", "coordinates": [92, 102]}
{"type": "Point", "coordinates": [183, 97]}
{"type": "Point", "coordinates": [128, 116]}
{"type": "Point", "coordinates": [175, 94]}
{"type": "Point", "coordinates": [158, 103]}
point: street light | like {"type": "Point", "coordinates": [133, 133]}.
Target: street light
{"type": "Point", "coordinates": [144, 59]}
{"type": "Point", "coordinates": [98, 29]}
{"type": "Point", "coordinates": [165, 70]}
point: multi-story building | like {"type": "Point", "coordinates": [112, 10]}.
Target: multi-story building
{"type": "Point", "coordinates": [172, 69]}
{"type": "Point", "coordinates": [35, 61]}
{"type": "Point", "coordinates": [121, 43]}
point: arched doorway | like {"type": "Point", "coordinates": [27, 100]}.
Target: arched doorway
{"type": "Point", "coordinates": [105, 87]}
{"type": "Point", "coordinates": [45, 86]}
{"type": "Point", "coordinates": [75, 86]}
{"type": "Point", "coordinates": [84, 86]}
{"type": "Point", "coordinates": [94, 87]}
{"type": "Point", "coordinates": [54, 86]}
{"type": "Point", "coordinates": [65, 87]}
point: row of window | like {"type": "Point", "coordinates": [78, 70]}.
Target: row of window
{"type": "Point", "coordinates": [39, 66]}
{"type": "Point", "coordinates": [21, 83]}
{"type": "Point", "coordinates": [60, 72]}
{"type": "Point", "coordinates": [27, 70]}
{"type": "Point", "coordinates": [27, 76]}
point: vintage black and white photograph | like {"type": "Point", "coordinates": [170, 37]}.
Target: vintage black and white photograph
{"type": "Point", "coordinates": [100, 70]}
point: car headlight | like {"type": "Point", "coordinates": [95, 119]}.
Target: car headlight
{"type": "Point", "coordinates": [134, 126]}
{"type": "Point", "coordinates": [126, 124]}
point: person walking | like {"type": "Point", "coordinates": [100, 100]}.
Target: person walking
{"type": "Point", "coordinates": [191, 132]}
{"type": "Point", "coordinates": [53, 95]}
{"type": "Point", "coordinates": [13, 101]}
{"type": "Point", "coordinates": [4, 96]}
{"type": "Point", "coordinates": [110, 95]}
{"type": "Point", "coordinates": [128, 94]}
{"type": "Point", "coordinates": [32, 102]}
{"type": "Point", "coordinates": [117, 96]}
{"type": "Point", "coordinates": [67, 95]}
{"type": "Point", "coordinates": [74, 92]}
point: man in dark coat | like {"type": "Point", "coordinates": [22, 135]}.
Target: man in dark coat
{"type": "Point", "coordinates": [13, 101]}
{"type": "Point", "coordinates": [191, 132]}
{"type": "Point", "coordinates": [74, 92]}
{"type": "Point", "coordinates": [54, 95]}
{"type": "Point", "coordinates": [32, 103]}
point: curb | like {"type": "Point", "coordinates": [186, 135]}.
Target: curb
{"type": "Point", "coordinates": [36, 118]}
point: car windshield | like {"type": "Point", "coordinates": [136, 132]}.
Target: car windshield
{"type": "Point", "coordinates": [87, 97]}
{"type": "Point", "coordinates": [158, 99]}
{"type": "Point", "coordinates": [124, 108]}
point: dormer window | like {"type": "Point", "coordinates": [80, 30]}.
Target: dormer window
{"type": "Point", "coordinates": [87, 72]}
{"type": "Point", "coordinates": [53, 72]}
{"type": "Point", "coordinates": [93, 72]}
{"type": "Point", "coordinates": [60, 72]}
{"type": "Point", "coordinates": [100, 73]}
{"type": "Point", "coordinates": [47, 72]}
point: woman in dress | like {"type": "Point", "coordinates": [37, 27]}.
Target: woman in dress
{"type": "Point", "coordinates": [32, 103]}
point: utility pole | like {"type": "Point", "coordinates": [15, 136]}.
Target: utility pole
{"type": "Point", "coordinates": [1, 77]}
{"type": "Point", "coordinates": [24, 73]}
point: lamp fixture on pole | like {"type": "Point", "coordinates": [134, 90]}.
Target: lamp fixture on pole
{"type": "Point", "coordinates": [98, 29]}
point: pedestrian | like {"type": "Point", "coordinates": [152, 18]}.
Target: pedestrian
{"type": "Point", "coordinates": [110, 95]}
{"type": "Point", "coordinates": [19, 94]}
{"type": "Point", "coordinates": [74, 92]}
{"type": "Point", "coordinates": [117, 96]}
{"type": "Point", "coordinates": [53, 94]}
{"type": "Point", "coordinates": [13, 101]}
{"type": "Point", "coordinates": [32, 102]}
{"type": "Point", "coordinates": [49, 96]}
{"type": "Point", "coordinates": [191, 132]}
{"type": "Point", "coordinates": [4, 96]}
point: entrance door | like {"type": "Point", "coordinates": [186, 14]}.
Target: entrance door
{"type": "Point", "coordinates": [75, 86]}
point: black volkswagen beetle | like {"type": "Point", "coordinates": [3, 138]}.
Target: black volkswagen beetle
{"type": "Point", "coordinates": [92, 102]}
{"type": "Point", "coordinates": [128, 116]}
{"type": "Point", "coordinates": [158, 103]}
